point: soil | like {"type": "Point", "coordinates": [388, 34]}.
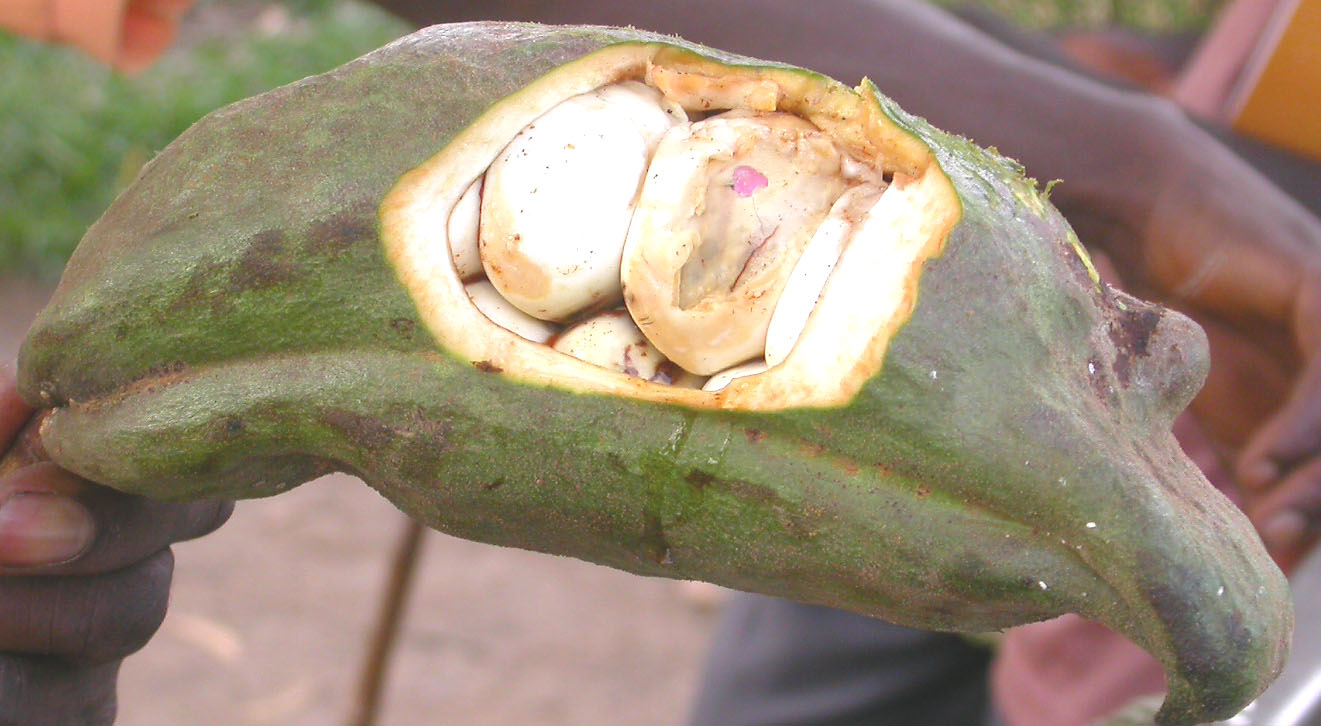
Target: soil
{"type": "Point", "coordinates": [270, 617]}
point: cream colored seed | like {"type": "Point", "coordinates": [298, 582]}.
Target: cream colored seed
{"type": "Point", "coordinates": [611, 340]}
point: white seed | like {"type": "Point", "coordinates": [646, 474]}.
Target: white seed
{"type": "Point", "coordinates": [728, 206]}
{"type": "Point", "coordinates": [611, 340]}
{"type": "Point", "coordinates": [462, 230]}
{"type": "Point", "coordinates": [809, 276]}
{"type": "Point", "coordinates": [558, 199]}
{"type": "Point", "coordinates": [500, 312]}
{"type": "Point", "coordinates": [723, 378]}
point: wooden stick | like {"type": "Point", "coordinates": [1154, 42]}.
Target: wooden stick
{"type": "Point", "coordinates": [403, 567]}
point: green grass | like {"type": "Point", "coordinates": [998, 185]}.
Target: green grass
{"type": "Point", "coordinates": [73, 133]}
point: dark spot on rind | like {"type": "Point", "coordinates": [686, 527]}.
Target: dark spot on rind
{"type": "Point", "coordinates": [486, 366]}
{"type": "Point", "coordinates": [1131, 332]}
{"type": "Point", "coordinates": [492, 486]}
{"type": "Point", "coordinates": [1098, 380]}
{"type": "Point", "coordinates": [654, 544]}
{"type": "Point", "coordinates": [409, 443]}
{"type": "Point", "coordinates": [699, 479]}
{"type": "Point", "coordinates": [619, 465]}
{"type": "Point", "coordinates": [263, 263]}
{"type": "Point", "coordinates": [923, 491]}
{"type": "Point", "coordinates": [755, 436]}
{"type": "Point", "coordinates": [704, 481]}
{"type": "Point", "coordinates": [206, 286]}
{"type": "Point", "coordinates": [1205, 657]}
{"type": "Point", "coordinates": [364, 431]}
{"type": "Point", "coordinates": [340, 232]}
{"type": "Point", "coordinates": [226, 428]}
{"type": "Point", "coordinates": [165, 370]}
{"type": "Point", "coordinates": [403, 326]}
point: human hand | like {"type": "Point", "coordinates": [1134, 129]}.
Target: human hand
{"type": "Point", "coordinates": [1281, 462]}
{"type": "Point", "coordinates": [1221, 243]}
{"type": "Point", "coordinates": [128, 34]}
{"type": "Point", "coordinates": [84, 580]}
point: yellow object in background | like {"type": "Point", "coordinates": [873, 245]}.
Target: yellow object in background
{"type": "Point", "coordinates": [128, 34]}
{"type": "Point", "coordinates": [1278, 96]}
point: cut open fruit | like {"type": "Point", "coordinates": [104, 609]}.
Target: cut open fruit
{"type": "Point", "coordinates": [778, 196]}
{"type": "Point", "coordinates": [230, 328]}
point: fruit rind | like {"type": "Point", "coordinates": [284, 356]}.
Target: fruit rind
{"type": "Point", "coordinates": [206, 341]}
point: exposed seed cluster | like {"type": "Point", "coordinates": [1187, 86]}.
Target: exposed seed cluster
{"type": "Point", "coordinates": [687, 250]}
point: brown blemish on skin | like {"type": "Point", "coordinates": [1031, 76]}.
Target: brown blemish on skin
{"type": "Point", "coordinates": [167, 370]}
{"type": "Point", "coordinates": [340, 232]}
{"type": "Point", "coordinates": [403, 326]}
{"type": "Point", "coordinates": [798, 520]}
{"type": "Point", "coordinates": [230, 427]}
{"type": "Point", "coordinates": [366, 432]}
{"type": "Point", "coordinates": [702, 481]}
{"type": "Point", "coordinates": [414, 437]}
{"type": "Point", "coordinates": [486, 366]}
{"type": "Point", "coordinates": [1131, 332]}
{"type": "Point", "coordinates": [1100, 382]}
{"type": "Point", "coordinates": [655, 545]}
{"type": "Point", "coordinates": [923, 491]}
{"type": "Point", "coordinates": [156, 378]}
{"type": "Point", "coordinates": [263, 264]}
{"type": "Point", "coordinates": [205, 286]}
{"type": "Point", "coordinates": [1198, 654]}
{"type": "Point", "coordinates": [755, 436]}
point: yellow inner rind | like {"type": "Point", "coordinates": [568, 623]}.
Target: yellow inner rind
{"type": "Point", "coordinates": [870, 295]}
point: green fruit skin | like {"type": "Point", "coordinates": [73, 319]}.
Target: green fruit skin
{"type": "Point", "coordinates": [231, 328]}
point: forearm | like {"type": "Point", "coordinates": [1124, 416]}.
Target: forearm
{"type": "Point", "coordinates": [44, 690]}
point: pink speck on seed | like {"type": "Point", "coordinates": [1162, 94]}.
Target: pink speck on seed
{"type": "Point", "coordinates": [748, 180]}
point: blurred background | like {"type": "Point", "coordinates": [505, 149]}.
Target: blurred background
{"type": "Point", "coordinates": [271, 616]}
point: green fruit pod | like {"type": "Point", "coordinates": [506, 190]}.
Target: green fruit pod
{"type": "Point", "coordinates": [963, 431]}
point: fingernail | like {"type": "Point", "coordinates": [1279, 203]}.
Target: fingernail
{"type": "Point", "coordinates": [37, 529]}
{"type": "Point", "coordinates": [1285, 531]}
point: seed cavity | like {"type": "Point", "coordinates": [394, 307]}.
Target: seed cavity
{"type": "Point", "coordinates": [687, 251]}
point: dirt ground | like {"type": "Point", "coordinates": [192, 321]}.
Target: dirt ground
{"type": "Point", "coordinates": [270, 617]}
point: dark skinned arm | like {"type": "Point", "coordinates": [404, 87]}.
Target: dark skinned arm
{"type": "Point", "coordinates": [84, 578]}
